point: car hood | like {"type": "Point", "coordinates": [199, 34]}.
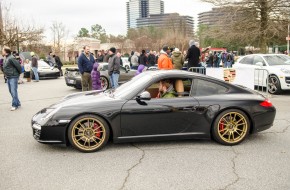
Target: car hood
{"type": "Point", "coordinates": [84, 98]}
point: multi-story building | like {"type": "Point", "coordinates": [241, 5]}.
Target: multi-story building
{"type": "Point", "coordinates": [212, 18]}
{"type": "Point", "coordinates": [182, 23]}
{"type": "Point", "coordinates": [142, 9]}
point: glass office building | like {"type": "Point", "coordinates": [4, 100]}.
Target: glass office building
{"type": "Point", "coordinates": [142, 9]}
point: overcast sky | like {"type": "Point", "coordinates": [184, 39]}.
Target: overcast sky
{"type": "Point", "coordinates": [110, 14]}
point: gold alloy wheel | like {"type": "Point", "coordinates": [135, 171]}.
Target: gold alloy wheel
{"type": "Point", "coordinates": [88, 134]}
{"type": "Point", "coordinates": [232, 127]}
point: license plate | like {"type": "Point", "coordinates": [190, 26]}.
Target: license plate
{"type": "Point", "coordinates": [71, 81]}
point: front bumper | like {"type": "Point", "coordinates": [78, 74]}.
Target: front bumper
{"type": "Point", "coordinates": [51, 133]}
{"type": "Point", "coordinates": [48, 75]}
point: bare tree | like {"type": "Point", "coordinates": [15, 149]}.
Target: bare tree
{"type": "Point", "coordinates": [59, 32]}
{"type": "Point", "coordinates": [14, 32]}
{"type": "Point", "coordinates": [254, 22]}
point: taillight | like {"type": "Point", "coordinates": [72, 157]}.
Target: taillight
{"type": "Point", "coordinates": [266, 104]}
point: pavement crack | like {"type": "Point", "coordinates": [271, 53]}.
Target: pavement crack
{"type": "Point", "coordinates": [233, 160]}
{"type": "Point", "coordinates": [134, 166]}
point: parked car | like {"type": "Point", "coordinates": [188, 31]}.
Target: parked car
{"type": "Point", "coordinates": [202, 107]}
{"type": "Point", "coordinates": [277, 66]}
{"type": "Point", "coordinates": [73, 77]}
{"type": "Point", "coordinates": [45, 71]}
{"type": "Point", "coordinates": [126, 63]}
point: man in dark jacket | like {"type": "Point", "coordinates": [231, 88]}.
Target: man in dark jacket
{"type": "Point", "coordinates": [143, 58]}
{"type": "Point", "coordinates": [12, 70]}
{"type": "Point", "coordinates": [193, 55]}
{"type": "Point", "coordinates": [34, 66]}
{"type": "Point", "coordinates": [85, 64]}
{"type": "Point", "coordinates": [151, 59]}
{"type": "Point", "coordinates": [114, 68]}
{"type": "Point", "coordinates": [58, 64]}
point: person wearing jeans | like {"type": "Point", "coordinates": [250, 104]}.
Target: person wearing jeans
{"type": "Point", "coordinates": [114, 68]}
{"type": "Point", "coordinates": [12, 70]}
{"type": "Point", "coordinates": [34, 64]}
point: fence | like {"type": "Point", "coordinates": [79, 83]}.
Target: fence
{"type": "Point", "coordinates": [260, 78]}
{"type": "Point", "coordinates": [261, 81]}
{"type": "Point", "coordinates": [200, 70]}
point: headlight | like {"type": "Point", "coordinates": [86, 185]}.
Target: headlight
{"type": "Point", "coordinates": [48, 114]}
{"type": "Point", "coordinates": [286, 71]}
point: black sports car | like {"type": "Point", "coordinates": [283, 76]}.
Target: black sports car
{"type": "Point", "coordinates": [73, 77]}
{"type": "Point", "coordinates": [199, 107]}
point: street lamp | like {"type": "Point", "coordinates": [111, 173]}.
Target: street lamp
{"type": "Point", "coordinates": [288, 39]}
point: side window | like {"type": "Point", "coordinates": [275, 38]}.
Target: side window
{"type": "Point", "coordinates": [247, 60]}
{"type": "Point", "coordinates": [207, 88]}
{"type": "Point", "coordinates": [170, 88]}
{"type": "Point", "coordinates": [258, 59]}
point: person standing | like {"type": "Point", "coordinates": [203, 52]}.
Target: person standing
{"type": "Point", "coordinates": [50, 59]}
{"type": "Point", "coordinates": [229, 60]}
{"type": "Point", "coordinates": [164, 62]}
{"type": "Point", "coordinates": [58, 64]}
{"type": "Point", "coordinates": [96, 77]}
{"type": "Point", "coordinates": [106, 57]}
{"type": "Point", "coordinates": [27, 70]}
{"type": "Point", "coordinates": [177, 59]}
{"type": "Point", "coordinates": [34, 65]}
{"type": "Point", "coordinates": [85, 65]}
{"type": "Point", "coordinates": [100, 57]}
{"type": "Point", "coordinates": [143, 58]}
{"type": "Point", "coordinates": [193, 55]}
{"type": "Point", "coordinates": [114, 68]}
{"type": "Point", "coordinates": [134, 61]}
{"type": "Point", "coordinates": [151, 59]}
{"type": "Point", "coordinates": [12, 70]}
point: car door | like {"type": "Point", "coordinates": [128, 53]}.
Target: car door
{"type": "Point", "coordinates": [160, 116]}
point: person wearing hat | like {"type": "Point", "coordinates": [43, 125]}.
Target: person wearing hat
{"type": "Point", "coordinates": [34, 65]}
{"type": "Point", "coordinates": [164, 62]}
{"type": "Point", "coordinates": [85, 65]}
{"type": "Point", "coordinates": [114, 68]}
{"type": "Point", "coordinates": [177, 59]}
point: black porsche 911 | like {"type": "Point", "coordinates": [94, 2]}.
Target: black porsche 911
{"type": "Point", "coordinates": [199, 107]}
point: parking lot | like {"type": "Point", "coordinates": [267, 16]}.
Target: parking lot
{"type": "Point", "coordinates": [261, 162]}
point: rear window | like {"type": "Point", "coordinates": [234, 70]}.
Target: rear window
{"type": "Point", "coordinates": [207, 88]}
{"type": "Point", "coordinates": [247, 60]}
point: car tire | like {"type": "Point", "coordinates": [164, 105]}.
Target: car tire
{"type": "Point", "coordinates": [88, 133]}
{"type": "Point", "coordinates": [105, 83]}
{"type": "Point", "coordinates": [274, 86]}
{"type": "Point", "coordinates": [231, 127]}
{"type": "Point", "coordinates": [127, 67]}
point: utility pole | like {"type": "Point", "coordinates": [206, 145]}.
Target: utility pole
{"type": "Point", "coordinates": [17, 40]}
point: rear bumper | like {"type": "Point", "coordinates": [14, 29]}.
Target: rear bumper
{"type": "Point", "coordinates": [47, 75]}
{"type": "Point", "coordinates": [73, 82]}
{"type": "Point", "coordinates": [264, 120]}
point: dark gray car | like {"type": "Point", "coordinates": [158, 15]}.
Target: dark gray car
{"type": "Point", "coordinates": [73, 77]}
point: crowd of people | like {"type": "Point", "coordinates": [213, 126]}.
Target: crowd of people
{"type": "Point", "coordinates": [15, 69]}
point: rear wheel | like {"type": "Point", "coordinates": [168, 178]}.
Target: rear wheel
{"type": "Point", "coordinates": [231, 127]}
{"type": "Point", "coordinates": [88, 133]}
{"type": "Point", "coordinates": [104, 83]}
{"type": "Point", "coordinates": [274, 86]}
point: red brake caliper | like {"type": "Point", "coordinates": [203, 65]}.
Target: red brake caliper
{"type": "Point", "coordinates": [221, 126]}
{"type": "Point", "coordinates": [96, 126]}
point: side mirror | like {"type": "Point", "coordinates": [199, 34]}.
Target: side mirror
{"type": "Point", "coordinates": [144, 96]}
{"type": "Point", "coordinates": [260, 64]}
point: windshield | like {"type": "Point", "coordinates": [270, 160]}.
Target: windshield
{"type": "Point", "coordinates": [277, 60]}
{"type": "Point", "coordinates": [132, 86]}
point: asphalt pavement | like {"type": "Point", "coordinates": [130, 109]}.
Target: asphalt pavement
{"type": "Point", "coordinates": [261, 162]}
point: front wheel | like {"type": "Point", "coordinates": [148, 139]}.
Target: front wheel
{"type": "Point", "coordinates": [274, 86]}
{"type": "Point", "coordinates": [88, 133]}
{"type": "Point", "coordinates": [231, 127]}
